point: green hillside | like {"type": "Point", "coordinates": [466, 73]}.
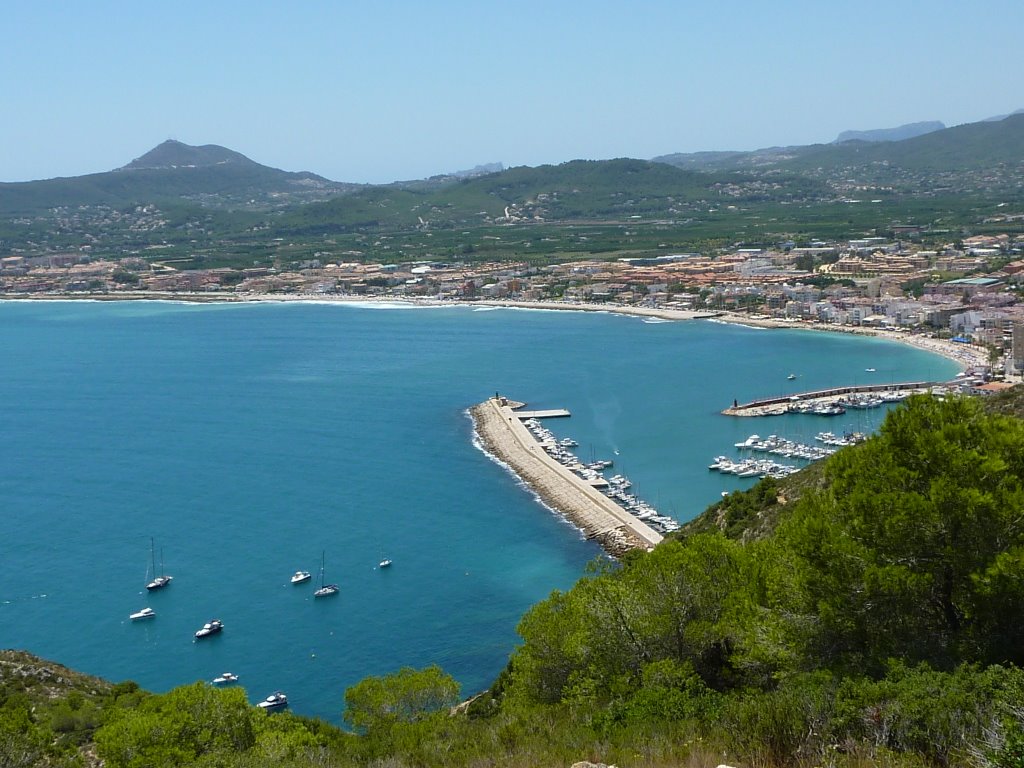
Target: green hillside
{"type": "Point", "coordinates": [581, 190]}
{"type": "Point", "coordinates": [973, 146]}
{"type": "Point", "coordinates": [208, 175]}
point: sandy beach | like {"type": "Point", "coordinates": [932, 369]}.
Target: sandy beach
{"type": "Point", "coordinates": [965, 355]}
{"type": "Point", "coordinates": [504, 436]}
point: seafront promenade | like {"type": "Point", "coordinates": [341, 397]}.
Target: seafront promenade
{"type": "Point", "coordinates": [504, 435]}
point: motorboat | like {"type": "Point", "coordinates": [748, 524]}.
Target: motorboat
{"type": "Point", "coordinates": [225, 678]}
{"type": "Point", "coordinates": [385, 563]}
{"type": "Point", "coordinates": [145, 613]}
{"type": "Point", "coordinates": [211, 627]}
{"type": "Point", "coordinates": [791, 376]}
{"type": "Point", "coordinates": [276, 700]}
{"type": "Point", "coordinates": [301, 576]}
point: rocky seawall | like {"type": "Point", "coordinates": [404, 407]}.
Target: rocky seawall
{"type": "Point", "coordinates": [503, 435]}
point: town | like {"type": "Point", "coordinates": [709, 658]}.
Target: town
{"type": "Point", "coordinates": [967, 290]}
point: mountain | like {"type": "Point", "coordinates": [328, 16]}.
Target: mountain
{"type": "Point", "coordinates": [984, 155]}
{"type": "Point", "coordinates": [908, 131]}
{"type": "Point", "coordinates": [209, 175]}
{"type": "Point", "coordinates": [997, 118]}
{"type": "Point", "coordinates": [618, 190]}
{"type": "Point", "coordinates": [968, 147]}
{"type": "Point", "coordinates": [174, 154]}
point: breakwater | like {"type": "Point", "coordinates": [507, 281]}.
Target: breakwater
{"type": "Point", "coordinates": [503, 434]}
{"type": "Point", "coordinates": [772, 406]}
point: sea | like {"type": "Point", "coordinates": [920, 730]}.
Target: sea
{"type": "Point", "coordinates": [229, 445]}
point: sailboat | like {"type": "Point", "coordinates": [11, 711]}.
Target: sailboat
{"type": "Point", "coordinates": [325, 590]}
{"type": "Point", "coordinates": [161, 581]}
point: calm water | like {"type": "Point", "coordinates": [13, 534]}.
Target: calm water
{"type": "Point", "coordinates": [248, 440]}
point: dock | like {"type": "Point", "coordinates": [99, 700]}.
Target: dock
{"type": "Point", "coordinates": [773, 406]}
{"type": "Point", "coordinates": [499, 424]}
{"type": "Point", "coordinates": [553, 413]}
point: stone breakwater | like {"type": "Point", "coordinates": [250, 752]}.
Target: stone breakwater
{"type": "Point", "coordinates": [504, 436]}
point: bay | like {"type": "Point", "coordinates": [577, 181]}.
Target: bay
{"type": "Point", "coordinates": [249, 440]}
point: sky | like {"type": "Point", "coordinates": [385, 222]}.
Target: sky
{"type": "Point", "coordinates": [374, 92]}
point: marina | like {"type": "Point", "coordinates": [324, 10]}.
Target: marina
{"type": "Point", "coordinates": [832, 401]}
{"type": "Point", "coordinates": [561, 480]}
{"type": "Point", "coordinates": [776, 446]}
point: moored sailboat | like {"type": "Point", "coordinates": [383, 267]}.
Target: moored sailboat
{"type": "Point", "coordinates": [161, 581]}
{"type": "Point", "coordinates": [325, 590]}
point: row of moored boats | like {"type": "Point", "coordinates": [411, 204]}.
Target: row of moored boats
{"type": "Point", "coordinates": [615, 487]}
{"type": "Point", "coordinates": [839, 406]}
{"type": "Point", "coordinates": [782, 447]}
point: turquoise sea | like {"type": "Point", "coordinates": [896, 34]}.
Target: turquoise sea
{"type": "Point", "coordinates": [248, 440]}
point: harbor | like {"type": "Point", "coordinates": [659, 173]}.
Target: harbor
{"type": "Point", "coordinates": [832, 401]}
{"type": "Point", "coordinates": [612, 517]}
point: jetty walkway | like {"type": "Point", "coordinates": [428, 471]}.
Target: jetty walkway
{"type": "Point", "coordinates": [777, 405]}
{"type": "Point", "coordinates": [500, 427]}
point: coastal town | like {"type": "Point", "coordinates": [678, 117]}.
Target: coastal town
{"type": "Point", "coordinates": [965, 293]}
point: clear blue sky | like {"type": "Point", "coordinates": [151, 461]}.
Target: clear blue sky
{"type": "Point", "coordinates": [380, 91]}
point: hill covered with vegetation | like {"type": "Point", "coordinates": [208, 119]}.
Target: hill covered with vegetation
{"type": "Point", "coordinates": [875, 622]}
{"type": "Point", "coordinates": [173, 171]}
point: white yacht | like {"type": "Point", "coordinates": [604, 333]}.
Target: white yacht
{"type": "Point", "coordinates": [145, 613]}
{"type": "Point", "coordinates": [211, 627]}
{"type": "Point", "coordinates": [276, 700]}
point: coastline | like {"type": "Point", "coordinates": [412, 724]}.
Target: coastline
{"type": "Point", "coordinates": [964, 355]}
{"type": "Point", "coordinates": [504, 437]}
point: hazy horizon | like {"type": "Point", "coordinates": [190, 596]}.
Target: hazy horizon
{"type": "Point", "coordinates": [375, 94]}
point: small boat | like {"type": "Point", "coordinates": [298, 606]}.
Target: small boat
{"type": "Point", "coordinates": [225, 678]}
{"type": "Point", "coordinates": [276, 700]}
{"type": "Point", "coordinates": [301, 576]}
{"type": "Point", "coordinates": [325, 590]}
{"type": "Point", "coordinates": [791, 376]}
{"type": "Point", "coordinates": [211, 627]}
{"type": "Point", "coordinates": [869, 370]}
{"type": "Point", "coordinates": [145, 613]}
{"type": "Point", "coordinates": [385, 563]}
{"type": "Point", "coordinates": [163, 579]}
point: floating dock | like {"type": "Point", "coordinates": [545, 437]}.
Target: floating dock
{"type": "Point", "coordinates": [499, 423]}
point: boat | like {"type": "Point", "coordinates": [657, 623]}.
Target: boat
{"type": "Point", "coordinates": [301, 576]}
{"type": "Point", "coordinates": [385, 563]}
{"type": "Point", "coordinates": [211, 627]}
{"type": "Point", "coordinates": [161, 581]}
{"type": "Point", "coordinates": [225, 678]}
{"type": "Point", "coordinates": [791, 376]}
{"type": "Point", "coordinates": [145, 613]}
{"type": "Point", "coordinates": [869, 370]}
{"type": "Point", "coordinates": [276, 700]}
{"type": "Point", "coordinates": [325, 590]}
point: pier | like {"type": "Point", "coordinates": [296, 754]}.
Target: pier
{"type": "Point", "coordinates": [773, 406]}
{"type": "Point", "coordinates": [499, 423]}
{"type": "Point", "coordinates": [552, 413]}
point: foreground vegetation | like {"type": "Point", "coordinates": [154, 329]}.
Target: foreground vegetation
{"type": "Point", "coordinates": [875, 622]}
